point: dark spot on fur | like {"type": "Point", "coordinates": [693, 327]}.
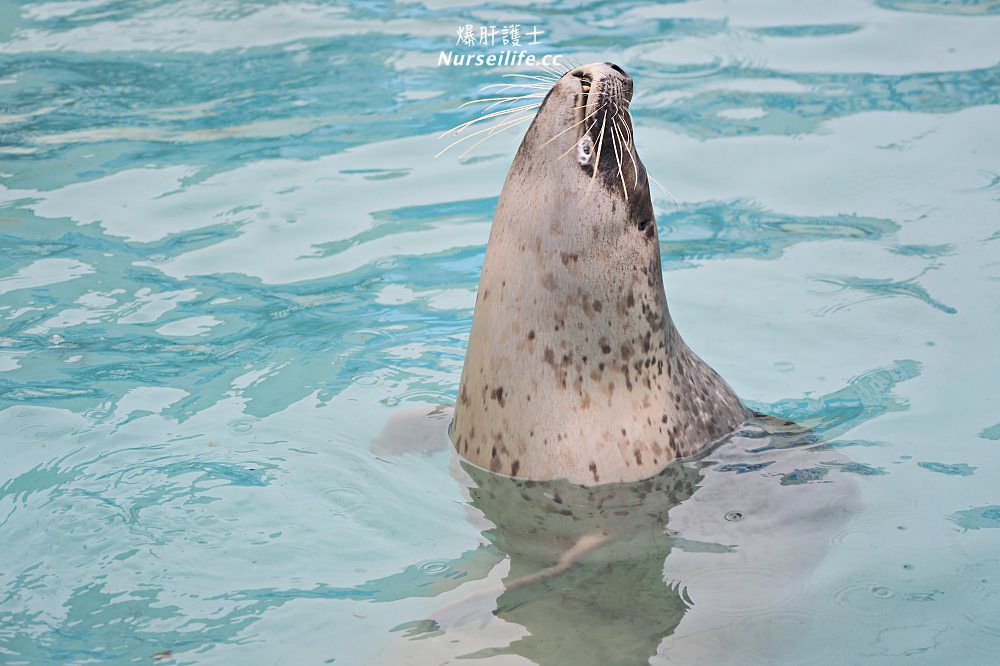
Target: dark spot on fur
{"type": "Point", "coordinates": [567, 257]}
{"type": "Point", "coordinates": [497, 394]}
{"type": "Point", "coordinates": [593, 470]}
{"type": "Point", "coordinates": [638, 456]}
{"type": "Point", "coordinates": [516, 465]}
{"type": "Point", "coordinates": [531, 334]}
{"type": "Point", "coordinates": [549, 356]}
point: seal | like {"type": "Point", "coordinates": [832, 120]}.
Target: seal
{"type": "Point", "coordinates": [574, 369]}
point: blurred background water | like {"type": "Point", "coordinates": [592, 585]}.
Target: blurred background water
{"type": "Point", "coordinates": [227, 255]}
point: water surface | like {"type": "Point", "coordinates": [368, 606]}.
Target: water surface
{"type": "Point", "coordinates": [227, 256]}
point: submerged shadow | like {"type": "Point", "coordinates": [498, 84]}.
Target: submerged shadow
{"type": "Point", "coordinates": [607, 604]}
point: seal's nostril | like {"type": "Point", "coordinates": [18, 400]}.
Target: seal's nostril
{"type": "Point", "coordinates": [618, 69]}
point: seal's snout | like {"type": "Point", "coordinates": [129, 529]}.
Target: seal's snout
{"type": "Point", "coordinates": [626, 83]}
{"type": "Point", "coordinates": [604, 82]}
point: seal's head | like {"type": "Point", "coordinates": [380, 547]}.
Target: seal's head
{"type": "Point", "coordinates": [574, 368]}
{"type": "Point", "coordinates": [579, 160]}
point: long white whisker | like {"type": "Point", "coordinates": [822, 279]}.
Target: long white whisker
{"type": "Point", "coordinates": [498, 130]}
{"type": "Point", "coordinates": [597, 161]}
{"type": "Point", "coordinates": [492, 128]}
{"type": "Point", "coordinates": [498, 99]}
{"type": "Point", "coordinates": [536, 78]}
{"type": "Point", "coordinates": [508, 86]}
{"type": "Point", "coordinates": [626, 123]}
{"type": "Point", "coordinates": [553, 71]}
{"type": "Point", "coordinates": [577, 124]}
{"type": "Point", "coordinates": [627, 147]}
{"type": "Point", "coordinates": [651, 177]}
{"type": "Point", "coordinates": [459, 128]}
{"type": "Point", "coordinates": [618, 156]}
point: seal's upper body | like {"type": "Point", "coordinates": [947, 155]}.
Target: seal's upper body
{"type": "Point", "coordinates": [574, 368]}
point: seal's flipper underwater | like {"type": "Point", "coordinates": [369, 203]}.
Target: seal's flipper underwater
{"type": "Point", "coordinates": [574, 368]}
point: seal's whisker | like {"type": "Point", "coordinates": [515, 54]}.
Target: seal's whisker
{"type": "Point", "coordinates": [503, 122]}
{"type": "Point", "coordinates": [553, 71]}
{"type": "Point", "coordinates": [627, 125]}
{"type": "Point", "coordinates": [506, 85]}
{"type": "Point", "coordinates": [499, 99]}
{"type": "Point", "coordinates": [536, 78]}
{"type": "Point", "coordinates": [499, 128]}
{"type": "Point", "coordinates": [600, 146]}
{"type": "Point", "coordinates": [458, 128]}
{"type": "Point", "coordinates": [627, 143]}
{"type": "Point", "coordinates": [577, 124]}
{"type": "Point", "coordinates": [618, 156]}
{"type": "Point", "coordinates": [665, 190]}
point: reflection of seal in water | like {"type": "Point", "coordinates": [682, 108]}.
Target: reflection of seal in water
{"type": "Point", "coordinates": [695, 565]}
{"type": "Point", "coordinates": [574, 368]}
{"type": "Point", "coordinates": [604, 575]}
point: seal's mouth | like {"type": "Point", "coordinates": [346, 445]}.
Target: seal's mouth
{"type": "Point", "coordinates": [585, 83]}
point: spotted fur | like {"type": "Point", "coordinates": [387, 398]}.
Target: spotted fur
{"type": "Point", "coordinates": [574, 368]}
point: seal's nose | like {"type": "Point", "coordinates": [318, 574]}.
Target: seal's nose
{"type": "Point", "coordinates": [618, 69]}
{"type": "Point", "coordinates": [626, 84]}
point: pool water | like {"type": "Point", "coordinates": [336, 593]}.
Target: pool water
{"type": "Point", "coordinates": [228, 256]}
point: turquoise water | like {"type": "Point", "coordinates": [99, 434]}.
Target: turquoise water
{"type": "Point", "coordinates": [227, 256]}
